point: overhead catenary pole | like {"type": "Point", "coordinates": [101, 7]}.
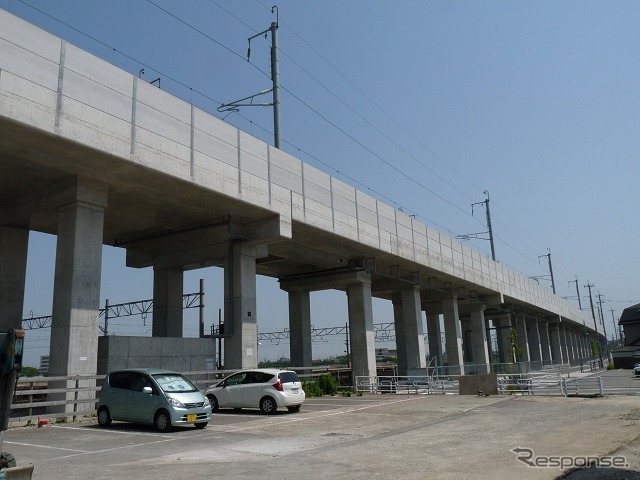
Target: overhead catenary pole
{"type": "Point", "coordinates": [489, 231]}
{"type": "Point", "coordinates": [593, 314]}
{"type": "Point", "coordinates": [275, 89]}
{"type": "Point", "coordinates": [493, 249]}
{"type": "Point", "coordinates": [106, 317]}
{"type": "Point", "coordinates": [577, 292]}
{"type": "Point", "coordinates": [276, 81]}
{"type": "Point", "coordinates": [604, 327]}
{"type": "Point", "coordinates": [553, 283]}
{"type": "Point", "coordinates": [615, 330]}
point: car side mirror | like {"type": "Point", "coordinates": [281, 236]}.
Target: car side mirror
{"type": "Point", "coordinates": [147, 390]}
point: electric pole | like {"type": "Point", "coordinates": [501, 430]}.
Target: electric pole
{"type": "Point", "coordinates": [548, 255]}
{"type": "Point", "coordinates": [577, 292]}
{"type": "Point", "coordinates": [615, 332]}
{"type": "Point", "coordinates": [604, 327]}
{"type": "Point", "coordinates": [595, 323]}
{"type": "Point", "coordinates": [275, 80]}
{"type": "Point", "coordinates": [486, 203]}
{"type": "Point", "coordinates": [489, 228]}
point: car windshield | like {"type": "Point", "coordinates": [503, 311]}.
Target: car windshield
{"type": "Point", "coordinates": [172, 382]}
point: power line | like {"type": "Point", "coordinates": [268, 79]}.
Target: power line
{"type": "Point", "coordinates": [307, 105]}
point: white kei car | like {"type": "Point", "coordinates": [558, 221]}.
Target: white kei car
{"type": "Point", "coordinates": [265, 388]}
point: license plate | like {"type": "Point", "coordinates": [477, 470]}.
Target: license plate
{"type": "Point", "coordinates": [295, 390]}
{"type": "Point", "coordinates": [192, 417]}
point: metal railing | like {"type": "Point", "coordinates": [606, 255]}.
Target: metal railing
{"type": "Point", "coordinates": [410, 384]}
{"type": "Point", "coordinates": [540, 383]}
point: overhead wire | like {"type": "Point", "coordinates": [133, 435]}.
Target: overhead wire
{"type": "Point", "coordinates": [409, 133]}
{"type": "Point", "coordinates": [308, 106]}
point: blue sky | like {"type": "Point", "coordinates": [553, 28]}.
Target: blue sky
{"type": "Point", "coordinates": [423, 104]}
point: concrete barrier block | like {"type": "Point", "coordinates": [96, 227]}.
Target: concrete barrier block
{"type": "Point", "coordinates": [473, 384]}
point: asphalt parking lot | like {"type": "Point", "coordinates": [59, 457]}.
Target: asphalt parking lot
{"type": "Point", "coordinates": [370, 436]}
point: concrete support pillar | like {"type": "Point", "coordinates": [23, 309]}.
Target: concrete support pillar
{"type": "Point", "coordinates": [586, 346]}
{"type": "Point", "coordinates": [465, 327]}
{"type": "Point", "coordinates": [575, 341]}
{"type": "Point", "coordinates": [535, 345]}
{"type": "Point", "coordinates": [503, 332]}
{"type": "Point", "coordinates": [556, 345]}
{"type": "Point", "coordinates": [361, 336]}
{"type": "Point", "coordinates": [523, 338]}
{"type": "Point", "coordinates": [76, 292]}
{"type": "Point", "coordinates": [408, 316]}
{"type": "Point", "coordinates": [398, 325]}
{"type": "Point", "coordinates": [300, 329]}
{"type": "Point", "coordinates": [479, 346]}
{"type": "Point", "coordinates": [13, 267]}
{"type": "Point", "coordinates": [453, 335]}
{"type": "Point", "coordinates": [434, 337]}
{"type": "Point", "coordinates": [570, 356]}
{"type": "Point", "coordinates": [491, 346]}
{"type": "Point", "coordinates": [168, 291]}
{"type": "Point", "coordinates": [545, 343]}
{"type": "Point", "coordinates": [240, 316]}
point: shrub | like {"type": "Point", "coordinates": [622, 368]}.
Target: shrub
{"type": "Point", "coordinates": [328, 384]}
{"type": "Point", "coordinates": [311, 389]}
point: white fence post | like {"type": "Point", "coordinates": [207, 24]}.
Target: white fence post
{"type": "Point", "coordinates": [601, 385]}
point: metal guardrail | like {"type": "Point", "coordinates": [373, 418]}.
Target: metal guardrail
{"type": "Point", "coordinates": [541, 383]}
{"type": "Point", "coordinates": [409, 385]}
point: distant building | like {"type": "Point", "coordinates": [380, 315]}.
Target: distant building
{"type": "Point", "coordinates": [44, 364]}
{"type": "Point", "coordinates": [629, 354]}
{"type": "Point", "coordinates": [382, 353]}
{"type": "Point", "coordinates": [630, 323]}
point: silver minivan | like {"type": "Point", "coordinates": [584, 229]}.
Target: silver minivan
{"type": "Point", "coordinates": [149, 395]}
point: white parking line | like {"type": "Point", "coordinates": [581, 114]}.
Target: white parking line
{"type": "Point", "coordinates": [115, 432]}
{"type": "Point", "coordinates": [320, 415]}
{"type": "Point", "coordinates": [48, 447]}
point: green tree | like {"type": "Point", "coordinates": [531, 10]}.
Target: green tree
{"type": "Point", "coordinates": [516, 350]}
{"type": "Point", "coordinates": [29, 372]}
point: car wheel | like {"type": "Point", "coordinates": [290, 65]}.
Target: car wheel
{"type": "Point", "coordinates": [214, 403]}
{"type": "Point", "coordinates": [268, 405]}
{"type": "Point", "coordinates": [294, 408]}
{"type": "Point", "coordinates": [162, 421]}
{"type": "Point", "coordinates": [200, 425]}
{"type": "Point", "coordinates": [104, 417]}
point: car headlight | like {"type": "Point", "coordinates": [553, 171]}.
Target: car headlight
{"type": "Point", "coordinates": [206, 402]}
{"type": "Point", "coordinates": [175, 403]}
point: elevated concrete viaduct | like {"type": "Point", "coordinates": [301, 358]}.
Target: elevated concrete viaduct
{"type": "Point", "coordinates": [94, 155]}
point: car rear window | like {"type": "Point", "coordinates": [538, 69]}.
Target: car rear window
{"type": "Point", "coordinates": [288, 377]}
